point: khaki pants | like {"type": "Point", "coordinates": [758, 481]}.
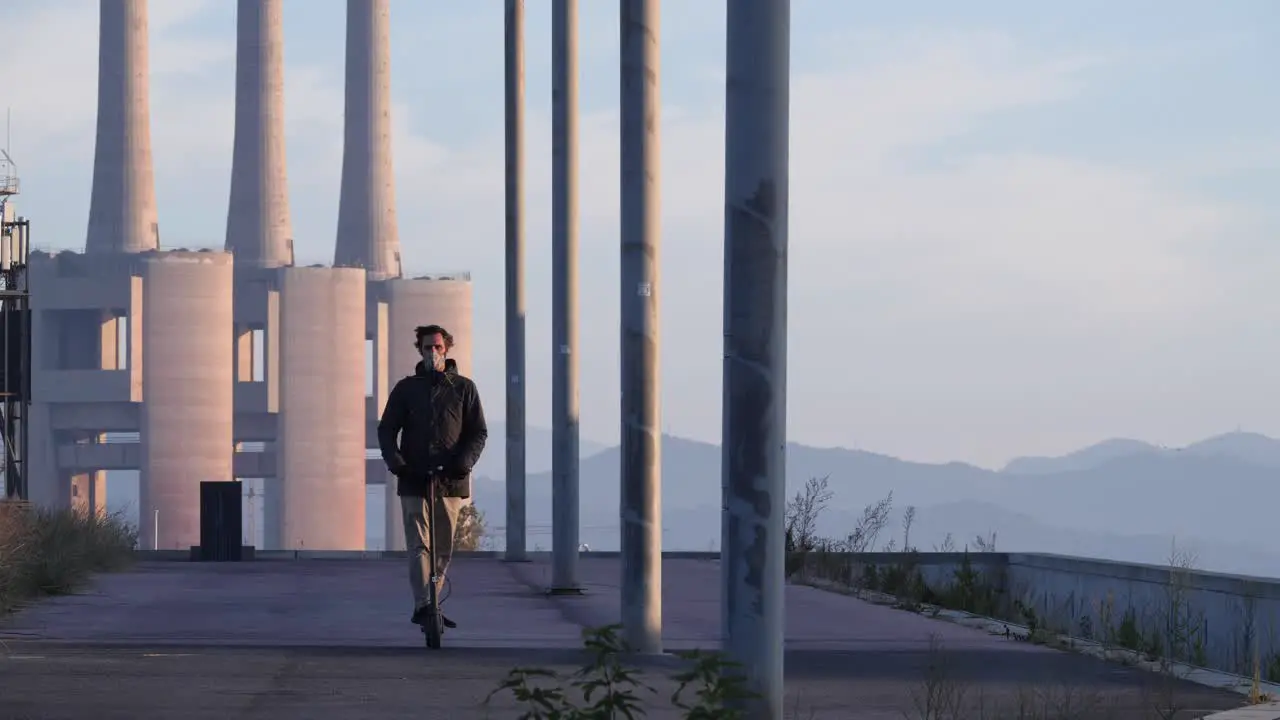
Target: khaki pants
{"type": "Point", "coordinates": [417, 537]}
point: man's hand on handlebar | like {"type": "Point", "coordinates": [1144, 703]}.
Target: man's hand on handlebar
{"type": "Point", "coordinates": [438, 473]}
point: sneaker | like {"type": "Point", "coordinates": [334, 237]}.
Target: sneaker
{"type": "Point", "coordinates": [420, 617]}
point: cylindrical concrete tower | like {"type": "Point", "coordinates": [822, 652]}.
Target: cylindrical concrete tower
{"type": "Point", "coordinates": [410, 303]}
{"type": "Point", "coordinates": [122, 206]}
{"type": "Point", "coordinates": [320, 445]}
{"type": "Point", "coordinates": [187, 389]}
{"type": "Point", "coordinates": [367, 232]}
{"type": "Point", "coordinates": [259, 231]}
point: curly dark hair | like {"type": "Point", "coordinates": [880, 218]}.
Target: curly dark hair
{"type": "Point", "coordinates": [428, 330]}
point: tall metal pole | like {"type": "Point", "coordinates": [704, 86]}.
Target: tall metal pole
{"type": "Point", "coordinates": [757, 103]}
{"type": "Point", "coordinates": [514, 71]}
{"type": "Point", "coordinates": [641, 328]}
{"type": "Point", "coordinates": [564, 281]}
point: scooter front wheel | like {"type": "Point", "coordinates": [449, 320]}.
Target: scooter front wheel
{"type": "Point", "coordinates": [433, 627]}
{"type": "Point", "coordinates": [433, 630]}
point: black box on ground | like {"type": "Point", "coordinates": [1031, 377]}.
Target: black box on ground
{"type": "Point", "coordinates": [220, 522]}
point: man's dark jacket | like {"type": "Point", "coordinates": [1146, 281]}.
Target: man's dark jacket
{"type": "Point", "coordinates": [440, 423]}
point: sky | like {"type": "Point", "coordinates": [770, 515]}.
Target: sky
{"type": "Point", "coordinates": [1016, 228]}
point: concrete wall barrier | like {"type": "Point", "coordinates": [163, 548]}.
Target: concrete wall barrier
{"type": "Point", "coordinates": [1213, 620]}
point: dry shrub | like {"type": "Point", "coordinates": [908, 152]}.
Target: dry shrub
{"type": "Point", "coordinates": [47, 552]}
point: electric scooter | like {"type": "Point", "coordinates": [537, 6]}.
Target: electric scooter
{"type": "Point", "coordinates": [433, 624]}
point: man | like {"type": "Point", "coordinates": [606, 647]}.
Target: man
{"type": "Point", "coordinates": [439, 422]}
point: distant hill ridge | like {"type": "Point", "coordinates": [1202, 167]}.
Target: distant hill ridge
{"type": "Point", "coordinates": [1222, 490]}
{"type": "Point", "coordinates": [1241, 446]}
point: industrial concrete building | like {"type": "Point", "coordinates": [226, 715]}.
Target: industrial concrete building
{"type": "Point", "coordinates": [215, 365]}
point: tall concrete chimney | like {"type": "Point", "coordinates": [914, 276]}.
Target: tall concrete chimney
{"type": "Point", "coordinates": [367, 232]}
{"type": "Point", "coordinates": [259, 231]}
{"type": "Point", "coordinates": [122, 208]}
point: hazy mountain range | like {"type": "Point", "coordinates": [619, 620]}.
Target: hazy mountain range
{"type": "Point", "coordinates": [537, 444]}
{"type": "Point", "coordinates": [1119, 499]}
{"type": "Point", "coordinates": [1243, 446]}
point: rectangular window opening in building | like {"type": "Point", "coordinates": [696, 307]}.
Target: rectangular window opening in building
{"type": "Point", "coordinates": [122, 342]}
{"type": "Point", "coordinates": [259, 355]}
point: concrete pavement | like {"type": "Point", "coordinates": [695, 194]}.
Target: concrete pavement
{"type": "Point", "coordinates": [331, 639]}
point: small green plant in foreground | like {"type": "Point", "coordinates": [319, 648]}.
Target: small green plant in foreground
{"type": "Point", "coordinates": [45, 552]}
{"type": "Point", "coordinates": [719, 694]}
{"type": "Point", "coordinates": [606, 689]}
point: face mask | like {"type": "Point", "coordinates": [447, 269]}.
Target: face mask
{"type": "Point", "coordinates": [435, 359]}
